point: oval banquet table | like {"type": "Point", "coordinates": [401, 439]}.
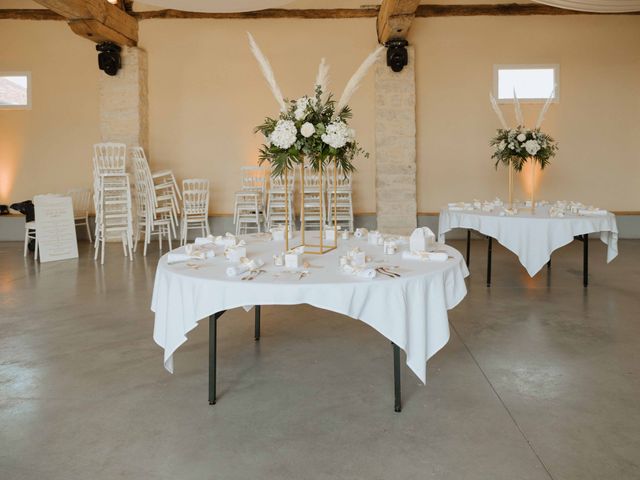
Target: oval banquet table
{"type": "Point", "coordinates": [410, 311]}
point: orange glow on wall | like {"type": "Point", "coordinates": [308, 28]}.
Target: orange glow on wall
{"type": "Point", "coordinates": [8, 168]}
{"type": "Point", "coordinates": [526, 181]}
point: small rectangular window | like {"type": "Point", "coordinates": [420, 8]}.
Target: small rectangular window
{"type": "Point", "coordinates": [532, 83]}
{"type": "Point", "coordinates": [15, 90]}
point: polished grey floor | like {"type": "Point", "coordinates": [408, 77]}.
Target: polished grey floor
{"type": "Point", "coordinates": [540, 380]}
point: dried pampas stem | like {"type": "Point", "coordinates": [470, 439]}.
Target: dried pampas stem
{"type": "Point", "coordinates": [496, 108]}
{"type": "Point", "coordinates": [322, 79]}
{"type": "Point", "coordinates": [519, 116]}
{"type": "Point", "coordinates": [547, 104]}
{"type": "Point", "coordinates": [354, 83]}
{"type": "Point", "coordinates": [267, 71]}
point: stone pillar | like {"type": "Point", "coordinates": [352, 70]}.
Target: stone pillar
{"type": "Point", "coordinates": [395, 96]}
{"type": "Point", "coordinates": [124, 106]}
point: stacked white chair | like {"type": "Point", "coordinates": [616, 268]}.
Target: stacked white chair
{"type": "Point", "coordinates": [166, 193]}
{"type": "Point", "coordinates": [279, 202]}
{"type": "Point", "coordinates": [249, 201]}
{"type": "Point", "coordinates": [112, 198]}
{"type": "Point", "coordinates": [195, 207]}
{"type": "Point", "coordinates": [313, 201]}
{"type": "Point", "coordinates": [81, 200]}
{"type": "Point", "coordinates": [30, 234]}
{"type": "Point", "coordinates": [339, 198]}
{"type": "Point", "coordinates": [152, 218]}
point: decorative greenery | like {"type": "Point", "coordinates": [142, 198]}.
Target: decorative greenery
{"type": "Point", "coordinates": [309, 128]}
{"type": "Point", "coordinates": [517, 145]}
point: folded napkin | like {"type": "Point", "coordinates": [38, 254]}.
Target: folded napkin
{"type": "Point", "coordinates": [592, 211]}
{"type": "Point", "coordinates": [227, 240]}
{"type": "Point", "coordinates": [190, 252]}
{"type": "Point", "coordinates": [510, 212]}
{"type": "Point", "coordinates": [357, 257]}
{"type": "Point", "coordinates": [422, 239]}
{"type": "Point", "coordinates": [244, 266]}
{"type": "Point", "coordinates": [425, 256]}
{"type": "Point", "coordinates": [556, 212]}
{"type": "Point", "coordinates": [359, 271]}
{"type": "Point", "coordinates": [208, 240]}
{"type": "Point", "coordinates": [361, 232]}
{"type": "Point", "coordinates": [235, 253]}
{"type": "Point", "coordinates": [459, 206]}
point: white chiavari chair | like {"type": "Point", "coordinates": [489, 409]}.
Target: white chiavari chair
{"type": "Point", "coordinates": [195, 207]}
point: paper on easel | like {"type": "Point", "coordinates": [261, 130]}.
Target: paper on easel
{"type": "Point", "coordinates": [55, 228]}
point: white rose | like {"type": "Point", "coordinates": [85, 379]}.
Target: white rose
{"type": "Point", "coordinates": [532, 147]}
{"type": "Point", "coordinates": [307, 129]}
{"type": "Point", "coordinates": [522, 137]}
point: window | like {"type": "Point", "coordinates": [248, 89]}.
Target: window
{"type": "Point", "coordinates": [15, 90]}
{"type": "Point", "coordinates": [532, 83]}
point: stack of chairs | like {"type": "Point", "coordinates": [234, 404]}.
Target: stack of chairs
{"type": "Point", "coordinates": [112, 198]}
{"type": "Point", "coordinates": [339, 198]}
{"type": "Point", "coordinates": [248, 211]}
{"type": "Point", "coordinates": [195, 208]}
{"type": "Point", "coordinates": [278, 205]}
{"type": "Point", "coordinates": [313, 201]}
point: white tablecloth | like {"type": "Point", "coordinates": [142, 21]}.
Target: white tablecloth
{"type": "Point", "coordinates": [411, 311]}
{"type": "Point", "coordinates": [532, 237]}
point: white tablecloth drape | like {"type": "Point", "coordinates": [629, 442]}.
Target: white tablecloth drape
{"type": "Point", "coordinates": [532, 237]}
{"type": "Point", "coordinates": [411, 311]}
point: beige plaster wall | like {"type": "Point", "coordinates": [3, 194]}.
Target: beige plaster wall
{"type": "Point", "coordinates": [206, 94]}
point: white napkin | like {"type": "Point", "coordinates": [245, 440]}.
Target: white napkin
{"type": "Point", "coordinates": [556, 212]}
{"type": "Point", "coordinates": [235, 253]}
{"type": "Point", "coordinates": [459, 206]}
{"type": "Point", "coordinates": [228, 240]}
{"type": "Point", "coordinates": [357, 257]}
{"type": "Point", "coordinates": [244, 266]}
{"type": "Point", "coordinates": [592, 211]}
{"type": "Point", "coordinates": [425, 256]}
{"type": "Point", "coordinates": [359, 272]}
{"type": "Point", "coordinates": [190, 252]}
{"type": "Point", "coordinates": [510, 212]}
{"type": "Point", "coordinates": [208, 240]}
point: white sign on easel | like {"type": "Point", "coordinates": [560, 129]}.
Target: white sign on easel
{"type": "Point", "coordinates": [55, 228]}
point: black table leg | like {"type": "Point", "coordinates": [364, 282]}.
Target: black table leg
{"type": "Point", "coordinates": [490, 248]}
{"type": "Point", "coordinates": [585, 259]}
{"type": "Point", "coordinates": [213, 345]}
{"type": "Point", "coordinates": [257, 324]}
{"type": "Point", "coordinates": [549, 265]}
{"type": "Point", "coordinates": [468, 247]}
{"type": "Point", "coordinates": [396, 378]}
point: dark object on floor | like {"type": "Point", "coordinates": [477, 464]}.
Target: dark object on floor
{"type": "Point", "coordinates": [26, 208]}
{"type": "Point", "coordinates": [4, 210]}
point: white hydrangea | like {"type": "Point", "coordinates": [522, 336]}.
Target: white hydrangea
{"type": "Point", "coordinates": [307, 129]}
{"type": "Point", "coordinates": [522, 137]}
{"type": "Point", "coordinates": [532, 147]}
{"type": "Point", "coordinates": [284, 135]}
{"type": "Point", "coordinates": [337, 134]}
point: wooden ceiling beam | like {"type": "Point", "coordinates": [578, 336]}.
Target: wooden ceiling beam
{"type": "Point", "coordinates": [394, 19]}
{"type": "Point", "coordinates": [96, 20]}
{"type": "Point", "coordinates": [423, 11]}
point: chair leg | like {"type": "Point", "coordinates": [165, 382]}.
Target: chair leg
{"type": "Point", "coordinates": [26, 241]}
{"type": "Point", "coordinates": [37, 247]}
{"type": "Point", "coordinates": [102, 254]}
{"type": "Point", "coordinates": [88, 230]}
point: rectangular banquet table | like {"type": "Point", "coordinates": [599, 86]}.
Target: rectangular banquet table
{"type": "Point", "coordinates": [411, 311]}
{"type": "Point", "coordinates": [532, 236]}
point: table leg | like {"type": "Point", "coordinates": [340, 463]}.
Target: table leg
{"type": "Point", "coordinates": [468, 247]}
{"type": "Point", "coordinates": [257, 324]}
{"type": "Point", "coordinates": [213, 345]}
{"type": "Point", "coordinates": [549, 264]}
{"type": "Point", "coordinates": [396, 378]}
{"type": "Point", "coordinates": [490, 248]}
{"type": "Point", "coordinates": [585, 259]}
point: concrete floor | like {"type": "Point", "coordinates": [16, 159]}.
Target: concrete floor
{"type": "Point", "coordinates": [540, 380]}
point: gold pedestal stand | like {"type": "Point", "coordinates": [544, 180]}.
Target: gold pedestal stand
{"type": "Point", "coordinates": [322, 247]}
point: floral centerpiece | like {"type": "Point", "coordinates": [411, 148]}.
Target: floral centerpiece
{"type": "Point", "coordinates": [313, 129]}
{"type": "Point", "coordinates": [310, 128]}
{"type": "Point", "coordinates": [517, 145]}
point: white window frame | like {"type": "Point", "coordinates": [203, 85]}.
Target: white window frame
{"type": "Point", "coordinates": [19, 107]}
{"type": "Point", "coordinates": [527, 66]}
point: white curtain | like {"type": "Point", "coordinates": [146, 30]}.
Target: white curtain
{"type": "Point", "coordinates": [218, 6]}
{"type": "Point", "coordinates": [602, 6]}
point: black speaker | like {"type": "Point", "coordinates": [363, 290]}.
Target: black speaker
{"type": "Point", "coordinates": [397, 55]}
{"type": "Point", "coordinates": [109, 57]}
